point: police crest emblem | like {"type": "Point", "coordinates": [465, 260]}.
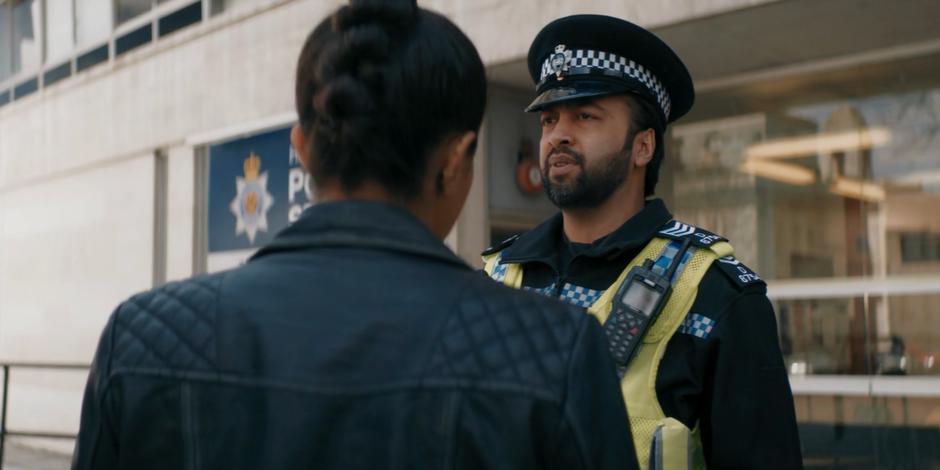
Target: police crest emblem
{"type": "Point", "coordinates": [252, 199]}
{"type": "Point", "coordinates": [559, 61]}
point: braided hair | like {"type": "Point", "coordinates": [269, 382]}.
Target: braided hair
{"type": "Point", "coordinates": [380, 83]}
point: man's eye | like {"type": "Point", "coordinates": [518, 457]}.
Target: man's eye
{"type": "Point", "coordinates": [548, 120]}
{"type": "Point", "coordinates": [585, 116]}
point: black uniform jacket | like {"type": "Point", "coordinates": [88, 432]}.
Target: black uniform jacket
{"type": "Point", "coordinates": [356, 340]}
{"type": "Point", "coordinates": [722, 370]}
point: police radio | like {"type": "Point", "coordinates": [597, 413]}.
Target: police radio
{"type": "Point", "coordinates": [636, 305]}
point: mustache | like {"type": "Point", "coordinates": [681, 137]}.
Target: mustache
{"type": "Point", "coordinates": [573, 154]}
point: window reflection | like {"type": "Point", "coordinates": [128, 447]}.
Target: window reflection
{"type": "Point", "coordinates": [893, 335]}
{"type": "Point", "coordinates": [129, 9]}
{"type": "Point", "coordinates": [92, 21]}
{"type": "Point", "coordinates": [869, 432]}
{"type": "Point", "coordinates": [839, 189]}
{"type": "Point", "coordinates": [6, 42]}
{"type": "Point", "coordinates": [25, 16]}
{"type": "Point", "coordinates": [59, 30]}
{"type": "Point", "coordinates": [218, 6]}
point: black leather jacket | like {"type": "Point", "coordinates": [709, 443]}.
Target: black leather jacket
{"type": "Point", "coordinates": [355, 340]}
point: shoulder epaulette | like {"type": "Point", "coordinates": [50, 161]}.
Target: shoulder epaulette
{"type": "Point", "coordinates": [500, 246]}
{"type": "Point", "coordinates": [681, 231]}
{"type": "Point", "coordinates": [741, 275]}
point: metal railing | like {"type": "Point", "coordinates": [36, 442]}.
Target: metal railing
{"type": "Point", "coordinates": [4, 432]}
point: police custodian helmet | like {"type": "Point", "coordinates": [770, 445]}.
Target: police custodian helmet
{"type": "Point", "coordinates": [585, 56]}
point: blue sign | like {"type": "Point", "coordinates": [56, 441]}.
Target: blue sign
{"type": "Point", "coordinates": [256, 188]}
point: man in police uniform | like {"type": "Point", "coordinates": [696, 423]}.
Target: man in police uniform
{"type": "Point", "coordinates": [691, 329]}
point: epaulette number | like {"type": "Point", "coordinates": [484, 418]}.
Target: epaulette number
{"type": "Point", "coordinates": [708, 238]}
{"type": "Point", "coordinates": [738, 270]}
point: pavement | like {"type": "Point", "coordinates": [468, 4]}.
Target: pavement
{"type": "Point", "coordinates": [20, 457]}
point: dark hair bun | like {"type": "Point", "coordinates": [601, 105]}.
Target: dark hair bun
{"type": "Point", "coordinates": [401, 13]}
{"type": "Point", "coordinates": [379, 83]}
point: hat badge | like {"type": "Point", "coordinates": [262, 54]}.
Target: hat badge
{"type": "Point", "coordinates": [559, 61]}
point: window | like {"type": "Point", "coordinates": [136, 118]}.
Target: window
{"type": "Point", "coordinates": [92, 21]}
{"type": "Point", "coordinates": [920, 247]}
{"type": "Point", "coordinates": [60, 32]}
{"type": "Point", "coordinates": [6, 43]}
{"type": "Point", "coordinates": [218, 6]}
{"type": "Point", "coordinates": [128, 9]}
{"type": "Point", "coordinates": [25, 16]}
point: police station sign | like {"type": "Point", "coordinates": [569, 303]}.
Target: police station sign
{"type": "Point", "coordinates": [256, 188]}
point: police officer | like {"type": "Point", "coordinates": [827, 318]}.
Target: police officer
{"type": "Point", "coordinates": [690, 327]}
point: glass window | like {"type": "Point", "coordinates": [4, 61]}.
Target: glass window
{"type": "Point", "coordinates": [835, 189]}
{"type": "Point", "coordinates": [878, 335]}
{"type": "Point", "coordinates": [60, 33]}
{"type": "Point", "coordinates": [6, 42]}
{"type": "Point", "coordinates": [218, 6]}
{"type": "Point", "coordinates": [127, 9]}
{"type": "Point", "coordinates": [92, 21]}
{"type": "Point", "coordinates": [879, 432]}
{"type": "Point", "coordinates": [26, 19]}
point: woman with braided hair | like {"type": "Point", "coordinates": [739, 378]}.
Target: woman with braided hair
{"type": "Point", "coordinates": [357, 339]}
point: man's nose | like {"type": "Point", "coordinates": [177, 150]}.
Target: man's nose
{"type": "Point", "coordinates": [560, 135]}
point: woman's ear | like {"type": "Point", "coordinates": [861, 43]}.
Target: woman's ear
{"type": "Point", "coordinates": [457, 161]}
{"type": "Point", "coordinates": [644, 147]}
{"type": "Point", "coordinates": [299, 142]}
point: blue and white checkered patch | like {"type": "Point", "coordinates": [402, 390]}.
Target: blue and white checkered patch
{"type": "Point", "coordinates": [499, 272]}
{"type": "Point", "coordinates": [668, 255]}
{"type": "Point", "coordinates": [697, 325]}
{"type": "Point", "coordinates": [580, 296]}
{"type": "Point", "coordinates": [546, 291]}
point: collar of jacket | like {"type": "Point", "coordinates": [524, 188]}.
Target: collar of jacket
{"type": "Point", "coordinates": [361, 224]}
{"type": "Point", "coordinates": [541, 244]}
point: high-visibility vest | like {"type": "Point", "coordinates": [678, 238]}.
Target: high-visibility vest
{"type": "Point", "coordinates": [661, 442]}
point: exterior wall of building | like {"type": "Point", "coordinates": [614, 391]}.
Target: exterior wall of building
{"type": "Point", "coordinates": [482, 20]}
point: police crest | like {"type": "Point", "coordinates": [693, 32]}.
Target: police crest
{"type": "Point", "coordinates": [559, 61]}
{"type": "Point", "coordinates": [252, 199]}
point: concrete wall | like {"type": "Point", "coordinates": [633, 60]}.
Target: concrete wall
{"type": "Point", "coordinates": [70, 248]}
{"type": "Point", "coordinates": [503, 29]}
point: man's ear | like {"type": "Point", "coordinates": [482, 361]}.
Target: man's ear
{"type": "Point", "coordinates": [457, 160]}
{"type": "Point", "coordinates": [299, 142]}
{"type": "Point", "coordinates": [644, 147]}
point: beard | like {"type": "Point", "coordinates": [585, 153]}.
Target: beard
{"type": "Point", "coordinates": [592, 186]}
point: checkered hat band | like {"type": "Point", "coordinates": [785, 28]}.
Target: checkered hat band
{"type": "Point", "coordinates": [605, 61]}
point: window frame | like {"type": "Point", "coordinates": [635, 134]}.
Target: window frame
{"type": "Point", "coordinates": [116, 30]}
{"type": "Point", "coordinates": [24, 74]}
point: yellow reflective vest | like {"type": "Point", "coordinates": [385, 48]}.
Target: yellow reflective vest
{"type": "Point", "coordinates": [662, 443]}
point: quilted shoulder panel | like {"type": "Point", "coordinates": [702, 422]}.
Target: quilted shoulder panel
{"type": "Point", "coordinates": [497, 333]}
{"type": "Point", "coordinates": [171, 327]}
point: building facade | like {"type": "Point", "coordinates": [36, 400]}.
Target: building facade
{"type": "Point", "coordinates": [143, 141]}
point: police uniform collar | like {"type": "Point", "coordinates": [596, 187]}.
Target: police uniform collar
{"type": "Point", "coordinates": [541, 243]}
{"type": "Point", "coordinates": [361, 224]}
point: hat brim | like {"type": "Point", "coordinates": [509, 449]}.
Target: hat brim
{"type": "Point", "coordinates": [577, 89]}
